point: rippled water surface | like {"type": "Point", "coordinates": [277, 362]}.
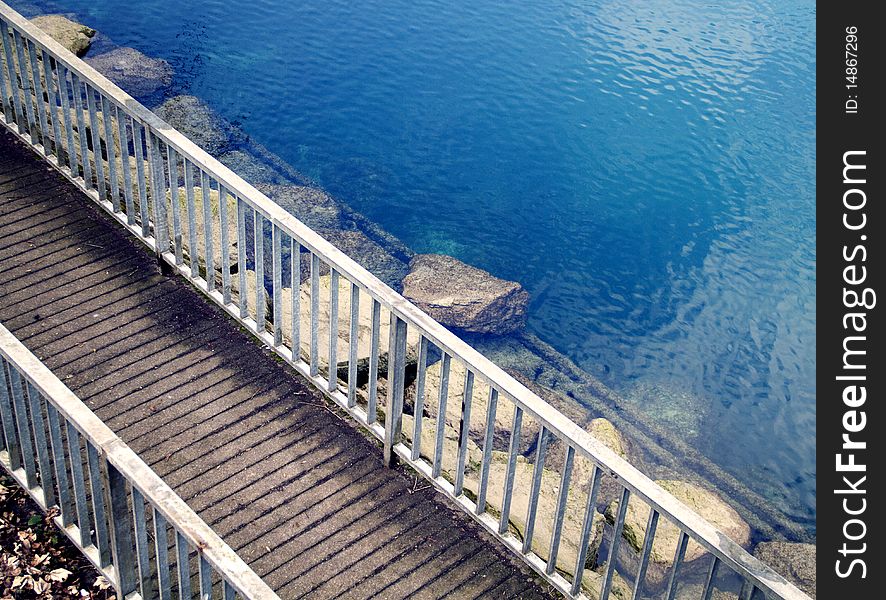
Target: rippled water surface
{"type": "Point", "coordinates": [645, 169]}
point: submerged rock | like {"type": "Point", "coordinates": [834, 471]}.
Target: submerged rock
{"type": "Point", "coordinates": [369, 255]}
{"type": "Point", "coordinates": [707, 504]}
{"type": "Point", "coordinates": [199, 123]}
{"type": "Point", "coordinates": [138, 74]}
{"type": "Point", "coordinates": [251, 168]}
{"type": "Point", "coordinates": [73, 36]}
{"type": "Point", "coordinates": [316, 209]}
{"type": "Point", "coordinates": [795, 562]}
{"type": "Point", "coordinates": [464, 297]}
{"type": "Point", "coordinates": [313, 207]}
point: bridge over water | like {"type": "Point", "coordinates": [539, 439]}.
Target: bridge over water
{"type": "Point", "coordinates": [203, 425]}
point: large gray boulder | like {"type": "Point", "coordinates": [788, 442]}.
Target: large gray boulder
{"type": "Point", "coordinates": [138, 74]}
{"type": "Point", "coordinates": [202, 125]}
{"type": "Point", "coordinates": [464, 297]}
{"type": "Point", "coordinates": [73, 36]}
{"type": "Point", "coordinates": [795, 562]}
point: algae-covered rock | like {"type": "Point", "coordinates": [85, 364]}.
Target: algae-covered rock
{"type": "Point", "coordinates": [795, 562]}
{"type": "Point", "coordinates": [504, 414]}
{"type": "Point", "coordinates": [200, 230]}
{"type": "Point", "coordinates": [547, 505]}
{"type": "Point", "coordinates": [364, 327]}
{"type": "Point", "coordinates": [197, 121]}
{"type": "Point", "coordinates": [707, 504]}
{"type": "Point", "coordinates": [313, 207]}
{"type": "Point", "coordinates": [449, 458]}
{"type": "Point", "coordinates": [75, 37]}
{"type": "Point", "coordinates": [136, 73]}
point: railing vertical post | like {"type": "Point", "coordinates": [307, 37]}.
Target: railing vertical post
{"type": "Point", "coordinates": [175, 204]}
{"type": "Point", "coordinates": [77, 93]}
{"type": "Point", "coordinates": [419, 407]}
{"type": "Point", "coordinates": [74, 452]}
{"type": "Point", "coordinates": [96, 475]}
{"type": "Point", "coordinates": [513, 451]}
{"type": "Point", "coordinates": [111, 148]}
{"type": "Point", "coordinates": [537, 473]}
{"type": "Point", "coordinates": [18, 42]}
{"type": "Point", "coordinates": [243, 295]}
{"type": "Point", "coordinates": [6, 414]}
{"type": "Point", "coordinates": [95, 134]}
{"type": "Point", "coordinates": [126, 167]}
{"type": "Point", "coordinates": [332, 375]}
{"type": "Point", "coordinates": [4, 78]}
{"type": "Point", "coordinates": [314, 366]}
{"type": "Point", "coordinates": [277, 281]}
{"type": "Point", "coordinates": [560, 514]}
{"type": "Point", "coordinates": [206, 186]}
{"type": "Point", "coordinates": [65, 99]}
{"type": "Point", "coordinates": [488, 442]}
{"type": "Point", "coordinates": [158, 193]}
{"type": "Point", "coordinates": [58, 459]}
{"type": "Point", "coordinates": [587, 526]}
{"type": "Point", "coordinates": [24, 430]}
{"type": "Point", "coordinates": [396, 376]}
{"type": "Point", "coordinates": [258, 221]}
{"type": "Point", "coordinates": [464, 429]}
{"type": "Point", "coordinates": [16, 102]}
{"type": "Point", "coordinates": [295, 306]}
{"type": "Point", "coordinates": [193, 248]}
{"type": "Point", "coordinates": [224, 237]}
{"type": "Point", "coordinates": [141, 544]}
{"type": "Point", "coordinates": [121, 531]}
{"type": "Point", "coordinates": [374, 333]}
{"type": "Point", "coordinates": [353, 343]}
{"type": "Point", "coordinates": [205, 576]}
{"type": "Point", "coordinates": [38, 98]}
{"type": "Point", "coordinates": [141, 181]}
{"type": "Point", "coordinates": [442, 399]}
{"type": "Point", "coordinates": [53, 106]}
{"type": "Point", "coordinates": [616, 542]}
{"type": "Point", "coordinates": [46, 479]}
{"type": "Point", "coordinates": [161, 552]}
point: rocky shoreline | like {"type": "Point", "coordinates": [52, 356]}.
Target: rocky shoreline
{"type": "Point", "coordinates": [490, 314]}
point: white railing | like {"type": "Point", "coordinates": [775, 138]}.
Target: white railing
{"type": "Point", "coordinates": [209, 225]}
{"type": "Point", "coordinates": [107, 497]}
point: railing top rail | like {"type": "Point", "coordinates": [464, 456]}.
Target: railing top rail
{"type": "Point", "coordinates": [152, 487]}
{"type": "Point", "coordinates": [587, 446]}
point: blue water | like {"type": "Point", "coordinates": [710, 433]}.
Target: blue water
{"type": "Point", "coordinates": [645, 169]}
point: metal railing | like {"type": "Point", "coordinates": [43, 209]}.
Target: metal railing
{"type": "Point", "coordinates": [109, 502]}
{"type": "Point", "coordinates": [477, 434]}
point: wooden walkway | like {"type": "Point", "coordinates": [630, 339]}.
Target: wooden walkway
{"type": "Point", "coordinates": [301, 495]}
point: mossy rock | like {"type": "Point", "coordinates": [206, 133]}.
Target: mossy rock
{"type": "Point", "coordinates": [707, 504]}
{"type": "Point", "coordinates": [449, 457]}
{"type": "Point", "coordinates": [76, 38]}
{"type": "Point", "coordinates": [504, 413]}
{"type": "Point", "coordinates": [549, 493]}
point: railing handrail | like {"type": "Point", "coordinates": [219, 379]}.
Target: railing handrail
{"type": "Point", "coordinates": [709, 536]}
{"type": "Point", "coordinates": [162, 497]}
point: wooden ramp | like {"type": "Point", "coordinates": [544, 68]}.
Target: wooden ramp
{"type": "Point", "coordinates": [301, 495]}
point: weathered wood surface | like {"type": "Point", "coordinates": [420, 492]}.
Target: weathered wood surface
{"type": "Point", "coordinates": [302, 496]}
